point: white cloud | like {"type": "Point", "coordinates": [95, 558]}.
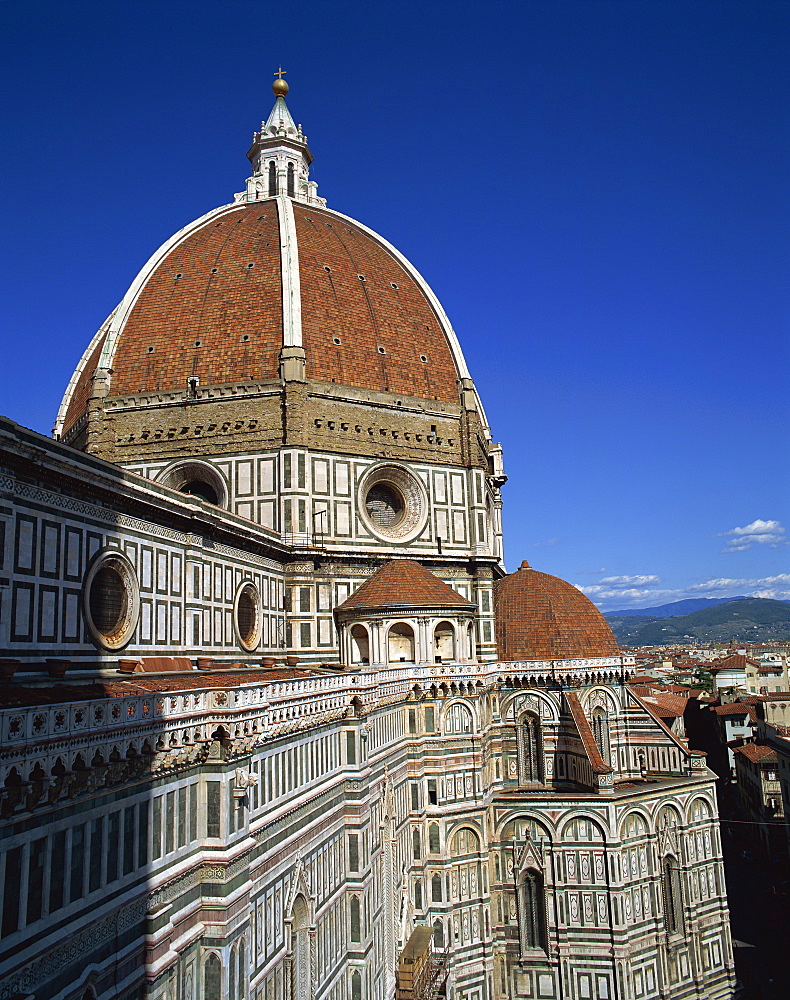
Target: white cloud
{"type": "Point", "coordinates": [590, 572]}
{"type": "Point", "coordinates": [624, 590]}
{"type": "Point", "coordinates": [631, 581]}
{"type": "Point", "coordinates": [638, 594]}
{"type": "Point", "coordinates": [774, 587]}
{"type": "Point", "coordinates": [759, 532]}
{"type": "Point", "coordinates": [548, 542]}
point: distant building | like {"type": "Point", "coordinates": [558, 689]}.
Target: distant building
{"type": "Point", "coordinates": [737, 722]}
{"type": "Point", "coordinates": [760, 794]}
{"type": "Point", "coordinates": [730, 673]}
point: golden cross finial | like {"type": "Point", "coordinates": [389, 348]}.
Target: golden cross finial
{"type": "Point", "coordinates": [280, 87]}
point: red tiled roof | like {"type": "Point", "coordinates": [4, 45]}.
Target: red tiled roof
{"type": "Point", "coordinates": [404, 583]}
{"type": "Point", "coordinates": [737, 708]}
{"type": "Point", "coordinates": [758, 754]}
{"type": "Point", "coordinates": [387, 309]}
{"type": "Point", "coordinates": [540, 617]}
{"type": "Point", "coordinates": [20, 696]}
{"type": "Point", "coordinates": [735, 661]}
{"type": "Point", "coordinates": [668, 705]}
{"type": "Point", "coordinates": [775, 696]}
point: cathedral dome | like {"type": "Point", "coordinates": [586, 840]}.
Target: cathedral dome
{"type": "Point", "coordinates": [540, 617]}
{"type": "Point", "coordinates": [225, 299]}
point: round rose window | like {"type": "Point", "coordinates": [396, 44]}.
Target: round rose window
{"type": "Point", "coordinates": [393, 503]}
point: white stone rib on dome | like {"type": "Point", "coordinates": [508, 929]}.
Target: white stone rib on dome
{"type": "Point", "coordinates": [57, 429]}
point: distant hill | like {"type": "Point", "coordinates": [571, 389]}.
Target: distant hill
{"type": "Point", "coordinates": [675, 608]}
{"type": "Point", "coordinates": [749, 619]}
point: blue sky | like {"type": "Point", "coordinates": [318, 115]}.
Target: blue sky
{"type": "Point", "coordinates": [595, 190]}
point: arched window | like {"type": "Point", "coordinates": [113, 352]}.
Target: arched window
{"type": "Point", "coordinates": [360, 646]}
{"type": "Point", "coordinates": [529, 738]}
{"type": "Point", "coordinates": [458, 719]}
{"type": "Point", "coordinates": [433, 838]}
{"type": "Point", "coordinates": [438, 935]}
{"type": "Point", "coordinates": [444, 642]}
{"type": "Point", "coordinates": [232, 975]}
{"type": "Point", "coordinates": [470, 641]}
{"type": "Point", "coordinates": [418, 894]}
{"type": "Point", "coordinates": [600, 728]}
{"type": "Point", "coordinates": [355, 920]}
{"type": "Point", "coordinates": [416, 846]}
{"type": "Point", "coordinates": [672, 891]}
{"type": "Point", "coordinates": [242, 970]}
{"type": "Point", "coordinates": [356, 986]}
{"type": "Point", "coordinates": [466, 841]}
{"type": "Point", "coordinates": [290, 180]}
{"type": "Point", "coordinates": [436, 888]}
{"type": "Point", "coordinates": [532, 911]}
{"type": "Point", "coordinates": [212, 979]}
{"type": "Point", "coordinates": [272, 178]}
{"type": "Point", "coordinates": [400, 646]}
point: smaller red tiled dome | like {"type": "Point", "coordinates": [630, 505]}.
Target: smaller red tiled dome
{"type": "Point", "coordinates": [540, 617]}
{"type": "Point", "coordinates": [404, 583]}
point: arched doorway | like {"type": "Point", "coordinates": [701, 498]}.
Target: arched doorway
{"type": "Point", "coordinates": [360, 645]}
{"type": "Point", "coordinates": [400, 644]}
{"type": "Point", "coordinates": [443, 642]}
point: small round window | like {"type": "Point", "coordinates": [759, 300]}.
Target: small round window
{"type": "Point", "coordinates": [111, 600]}
{"type": "Point", "coordinates": [393, 503]}
{"type": "Point", "coordinates": [248, 616]}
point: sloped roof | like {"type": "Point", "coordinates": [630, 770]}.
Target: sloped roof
{"type": "Point", "coordinates": [668, 705]}
{"type": "Point", "coordinates": [404, 583]}
{"type": "Point", "coordinates": [758, 754]}
{"type": "Point", "coordinates": [737, 708]}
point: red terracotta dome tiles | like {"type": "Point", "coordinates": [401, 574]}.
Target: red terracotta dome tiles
{"type": "Point", "coordinates": [206, 292]}
{"type": "Point", "coordinates": [387, 309]}
{"type": "Point", "coordinates": [540, 617]}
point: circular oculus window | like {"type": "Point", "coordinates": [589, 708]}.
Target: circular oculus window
{"type": "Point", "coordinates": [111, 600]}
{"type": "Point", "coordinates": [393, 503]}
{"type": "Point", "coordinates": [247, 616]}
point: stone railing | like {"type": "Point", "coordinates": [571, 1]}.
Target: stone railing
{"type": "Point", "coordinates": [260, 708]}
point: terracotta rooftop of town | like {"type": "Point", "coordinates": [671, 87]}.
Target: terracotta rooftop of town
{"type": "Point", "coordinates": [737, 708]}
{"type": "Point", "coordinates": [758, 754]}
{"type": "Point", "coordinates": [540, 617]}
{"type": "Point", "coordinates": [735, 661]}
{"type": "Point", "coordinates": [667, 704]}
{"type": "Point", "coordinates": [404, 583]}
